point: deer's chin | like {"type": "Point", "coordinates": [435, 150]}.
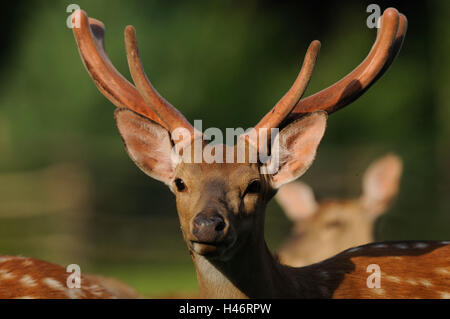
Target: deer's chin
{"type": "Point", "coordinates": [205, 249]}
{"type": "Point", "coordinates": [210, 250]}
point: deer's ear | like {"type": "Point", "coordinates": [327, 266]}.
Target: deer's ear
{"type": "Point", "coordinates": [147, 143]}
{"type": "Point", "coordinates": [297, 200]}
{"type": "Point", "coordinates": [295, 147]}
{"type": "Point", "coordinates": [381, 183]}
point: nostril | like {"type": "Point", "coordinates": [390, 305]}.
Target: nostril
{"type": "Point", "coordinates": [200, 220]}
{"type": "Point", "coordinates": [220, 226]}
{"type": "Point", "coordinates": [208, 228]}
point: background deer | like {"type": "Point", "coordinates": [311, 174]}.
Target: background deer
{"type": "Point", "coordinates": [324, 229]}
{"type": "Point", "coordinates": [29, 278]}
{"type": "Point", "coordinates": [221, 205]}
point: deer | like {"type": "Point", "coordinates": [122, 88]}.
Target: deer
{"type": "Point", "coordinates": [221, 205]}
{"type": "Point", "coordinates": [325, 228]}
{"type": "Point", "coordinates": [31, 278]}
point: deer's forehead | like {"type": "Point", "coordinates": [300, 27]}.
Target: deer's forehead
{"type": "Point", "coordinates": [229, 173]}
{"type": "Point", "coordinates": [341, 209]}
{"type": "Point", "coordinates": [200, 151]}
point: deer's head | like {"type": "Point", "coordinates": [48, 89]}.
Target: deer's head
{"type": "Point", "coordinates": [221, 203]}
{"type": "Point", "coordinates": [324, 228]}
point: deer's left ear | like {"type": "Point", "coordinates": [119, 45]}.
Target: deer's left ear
{"type": "Point", "coordinates": [295, 147]}
{"type": "Point", "coordinates": [381, 184]}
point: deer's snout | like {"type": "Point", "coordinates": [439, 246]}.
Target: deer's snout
{"type": "Point", "coordinates": [209, 228]}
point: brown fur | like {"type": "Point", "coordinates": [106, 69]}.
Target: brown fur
{"type": "Point", "coordinates": [22, 277]}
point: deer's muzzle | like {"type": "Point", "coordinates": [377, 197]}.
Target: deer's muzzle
{"type": "Point", "coordinates": [209, 229]}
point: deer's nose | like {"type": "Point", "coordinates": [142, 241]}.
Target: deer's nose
{"type": "Point", "coordinates": [208, 229]}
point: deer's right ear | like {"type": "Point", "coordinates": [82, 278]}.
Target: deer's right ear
{"type": "Point", "coordinates": [148, 144]}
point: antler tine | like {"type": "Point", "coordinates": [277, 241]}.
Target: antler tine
{"type": "Point", "coordinates": [396, 46]}
{"type": "Point", "coordinates": [388, 42]}
{"type": "Point", "coordinates": [89, 35]}
{"type": "Point", "coordinates": [287, 103]}
{"type": "Point", "coordinates": [284, 107]}
{"type": "Point", "coordinates": [169, 114]}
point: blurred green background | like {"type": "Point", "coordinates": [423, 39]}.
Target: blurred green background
{"type": "Point", "coordinates": [68, 191]}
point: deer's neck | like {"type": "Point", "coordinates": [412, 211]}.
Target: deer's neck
{"type": "Point", "coordinates": [251, 273]}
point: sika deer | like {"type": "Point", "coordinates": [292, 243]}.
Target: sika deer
{"type": "Point", "coordinates": [29, 278]}
{"type": "Point", "coordinates": [324, 229]}
{"type": "Point", "coordinates": [221, 205]}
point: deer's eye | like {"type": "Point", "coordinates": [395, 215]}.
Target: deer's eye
{"type": "Point", "coordinates": [334, 224]}
{"type": "Point", "coordinates": [181, 186]}
{"type": "Point", "coordinates": [254, 187]}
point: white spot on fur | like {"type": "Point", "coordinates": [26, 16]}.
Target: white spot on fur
{"type": "Point", "coordinates": [401, 246]}
{"type": "Point", "coordinates": [420, 245]}
{"type": "Point", "coordinates": [379, 246]}
{"type": "Point", "coordinates": [27, 280]}
{"type": "Point", "coordinates": [392, 278]}
{"type": "Point", "coordinates": [3, 259]}
{"type": "Point", "coordinates": [411, 282]}
{"type": "Point", "coordinates": [425, 282]}
{"type": "Point", "coordinates": [445, 242]}
{"type": "Point", "coordinates": [52, 283]}
{"type": "Point", "coordinates": [27, 262]}
{"type": "Point", "coordinates": [75, 293]}
{"type": "Point", "coordinates": [95, 290]}
{"type": "Point", "coordinates": [93, 287]}
{"type": "Point", "coordinates": [6, 275]}
{"type": "Point", "coordinates": [25, 297]}
{"type": "Point", "coordinates": [442, 271]}
{"type": "Point", "coordinates": [445, 295]}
